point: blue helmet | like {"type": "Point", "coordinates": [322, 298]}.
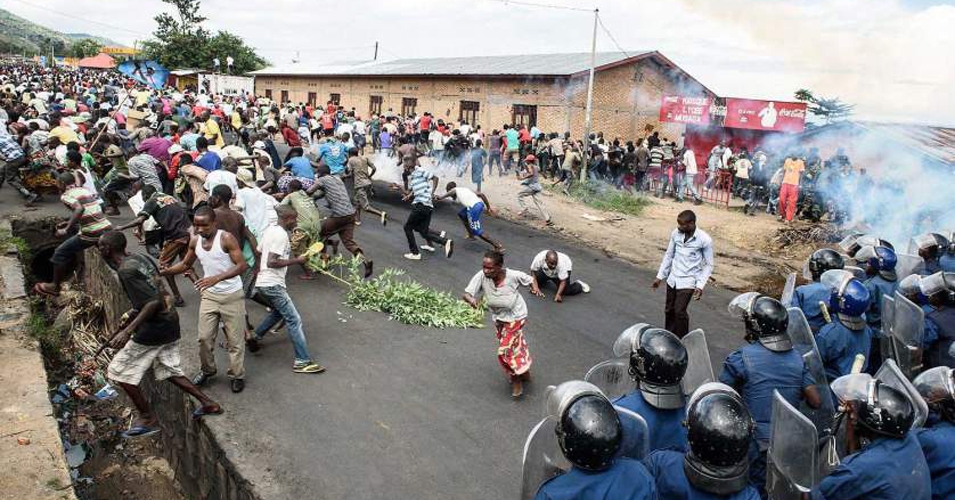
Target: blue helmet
{"type": "Point", "coordinates": [848, 296]}
{"type": "Point", "coordinates": [881, 259]}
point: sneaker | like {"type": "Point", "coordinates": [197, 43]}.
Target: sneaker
{"type": "Point", "coordinates": [448, 248]}
{"type": "Point", "coordinates": [443, 233]}
{"type": "Point", "coordinates": [384, 218]}
{"type": "Point", "coordinates": [357, 222]}
{"type": "Point", "coordinates": [584, 286]}
{"type": "Point", "coordinates": [413, 256]}
{"type": "Point", "coordinates": [427, 247]}
{"type": "Point", "coordinates": [307, 367]}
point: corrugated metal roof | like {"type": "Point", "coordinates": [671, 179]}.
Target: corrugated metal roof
{"type": "Point", "coordinates": [937, 142]}
{"type": "Point", "coordinates": [521, 65]}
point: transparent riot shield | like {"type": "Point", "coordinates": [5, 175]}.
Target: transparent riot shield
{"type": "Point", "coordinates": [788, 290]}
{"type": "Point", "coordinates": [857, 272]}
{"type": "Point", "coordinates": [804, 342]}
{"type": "Point", "coordinates": [908, 265]}
{"type": "Point", "coordinates": [890, 375]}
{"type": "Point", "coordinates": [699, 370]}
{"type": "Point", "coordinates": [908, 331]}
{"type": "Point", "coordinates": [543, 459]}
{"type": "Point", "coordinates": [792, 462]}
{"type": "Point", "coordinates": [636, 435]}
{"type": "Point", "coordinates": [886, 343]}
{"type": "Point", "coordinates": [612, 377]}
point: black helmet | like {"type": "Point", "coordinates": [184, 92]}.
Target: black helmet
{"type": "Point", "coordinates": [880, 409]}
{"type": "Point", "coordinates": [823, 260]}
{"type": "Point", "coordinates": [658, 361]}
{"type": "Point", "coordinates": [766, 318]}
{"type": "Point", "coordinates": [720, 430]}
{"type": "Point", "coordinates": [589, 432]}
{"type": "Point", "coordinates": [937, 388]}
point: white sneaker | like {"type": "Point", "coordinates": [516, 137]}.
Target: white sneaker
{"type": "Point", "coordinates": [413, 256]}
{"type": "Point", "coordinates": [584, 286]}
{"type": "Point", "coordinates": [448, 248]}
{"type": "Point", "coordinates": [427, 247]}
{"type": "Point", "coordinates": [443, 233]}
{"type": "Point", "coordinates": [357, 222]}
{"type": "Point", "coordinates": [384, 218]}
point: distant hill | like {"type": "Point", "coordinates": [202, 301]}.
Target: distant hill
{"type": "Point", "coordinates": [19, 36]}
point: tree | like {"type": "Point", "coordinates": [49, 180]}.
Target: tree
{"type": "Point", "coordinates": [827, 109]}
{"type": "Point", "coordinates": [86, 47]}
{"type": "Point", "coordinates": [182, 42]}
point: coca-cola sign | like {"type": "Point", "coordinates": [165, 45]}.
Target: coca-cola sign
{"type": "Point", "coordinates": [685, 109]}
{"type": "Point", "coordinates": [777, 116]}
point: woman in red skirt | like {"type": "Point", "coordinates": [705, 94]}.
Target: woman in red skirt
{"type": "Point", "coordinates": [501, 288]}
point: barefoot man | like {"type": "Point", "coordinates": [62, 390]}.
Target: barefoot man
{"type": "Point", "coordinates": [473, 206]}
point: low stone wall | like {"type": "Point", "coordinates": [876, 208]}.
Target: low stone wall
{"type": "Point", "coordinates": [202, 468]}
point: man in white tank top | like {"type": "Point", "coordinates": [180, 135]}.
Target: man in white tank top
{"type": "Point", "coordinates": [223, 299]}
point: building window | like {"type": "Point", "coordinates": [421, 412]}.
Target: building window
{"type": "Point", "coordinates": [268, 93]}
{"type": "Point", "coordinates": [335, 98]}
{"type": "Point", "coordinates": [374, 105]}
{"type": "Point", "coordinates": [284, 96]}
{"type": "Point", "coordinates": [312, 97]}
{"type": "Point", "coordinates": [408, 105]}
{"type": "Point", "coordinates": [524, 114]}
{"type": "Point", "coordinates": [468, 112]}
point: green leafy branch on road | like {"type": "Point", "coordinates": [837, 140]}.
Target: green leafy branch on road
{"type": "Point", "coordinates": [405, 300]}
{"type": "Point", "coordinates": [603, 196]}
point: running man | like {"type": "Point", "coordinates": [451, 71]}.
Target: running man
{"type": "Point", "coordinates": [342, 218]}
{"type": "Point", "coordinates": [473, 206]}
{"type": "Point", "coordinates": [530, 179]}
{"type": "Point", "coordinates": [419, 186]}
{"type": "Point", "coordinates": [362, 170]}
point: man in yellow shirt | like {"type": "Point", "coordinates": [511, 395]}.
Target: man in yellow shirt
{"type": "Point", "coordinates": [793, 168]}
{"type": "Point", "coordinates": [210, 129]}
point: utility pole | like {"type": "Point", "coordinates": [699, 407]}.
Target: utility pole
{"type": "Point", "coordinates": [588, 113]}
{"type": "Point", "coordinates": [376, 51]}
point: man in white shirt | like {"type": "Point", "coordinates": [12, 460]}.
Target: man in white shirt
{"type": "Point", "coordinates": [257, 207]}
{"type": "Point", "coordinates": [688, 180]}
{"type": "Point", "coordinates": [686, 267]}
{"type": "Point", "coordinates": [225, 175]}
{"type": "Point", "coordinates": [473, 205]}
{"type": "Point", "coordinates": [276, 253]}
{"type": "Point", "coordinates": [554, 266]}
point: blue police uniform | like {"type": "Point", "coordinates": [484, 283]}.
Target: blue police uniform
{"type": "Point", "coordinates": [886, 469]}
{"type": "Point", "coordinates": [665, 426]}
{"type": "Point", "coordinates": [838, 347]}
{"type": "Point", "coordinates": [625, 480]}
{"type": "Point", "coordinates": [755, 371]}
{"type": "Point", "coordinates": [931, 329]}
{"type": "Point", "coordinates": [939, 453]}
{"type": "Point", "coordinates": [878, 287]}
{"type": "Point", "coordinates": [939, 335]}
{"type": "Point", "coordinates": [947, 262]}
{"type": "Point", "coordinates": [931, 267]}
{"type": "Point", "coordinates": [666, 467]}
{"type": "Point", "coordinates": [807, 298]}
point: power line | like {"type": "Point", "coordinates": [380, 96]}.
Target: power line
{"type": "Point", "coordinates": [612, 39]}
{"type": "Point", "coordinates": [542, 5]}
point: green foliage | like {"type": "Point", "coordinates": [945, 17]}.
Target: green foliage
{"type": "Point", "coordinates": [827, 109]}
{"type": "Point", "coordinates": [7, 240]}
{"type": "Point", "coordinates": [39, 328]}
{"type": "Point", "coordinates": [182, 42]}
{"type": "Point", "coordinates": [602, 196]}
{"type": "Point", "coordinates": [86, 47]}
{"type": "Point", "coordinates": [404, 300]}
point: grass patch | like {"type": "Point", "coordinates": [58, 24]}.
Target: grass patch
{"type": "Point", "coordinates": [52, 344]}
{"type": "Point", "coordinates": [603, 196]}
{"type": "Point", "coordinates": [8, 240]}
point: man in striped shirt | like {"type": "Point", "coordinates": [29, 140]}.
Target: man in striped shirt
{"type": "Point", "coordinates": [419, 186]}
{"type": "Point", "coordinates": [87, 212]}
{"type": "Point", "coordinates": [342, 218]}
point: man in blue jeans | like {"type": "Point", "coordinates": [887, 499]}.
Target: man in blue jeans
{"type": "Point", "coordinates": [276, 251]}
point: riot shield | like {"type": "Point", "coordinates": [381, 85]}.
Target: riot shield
{"type": "Point", "coordinates": [612, 377]}
{"type": "Point", "coordinates": [556, 398]}
{"type": "Point", "coordinates": [849, 245]}
{"type": "Point", "coordinates": [636, 435]}
{"type": "Point", "coordinates": [908, 265]}
{"type": "Point", "coordinates": [888, 323]}
{"type": "Point", "coordinates": [908, 330]}
{"type": "Point", "coordinates": [890, 375]}
{"type": "Point", "coordinates": [788, 290]}
{"type": "Point", "coordinates": [792, 462]}
{"type": "Point", "coordinates": [623, 346]}
{"type": "Point", "coordinates": [857, 272]}
{"type": "Point", "coordinates": [804, 342]}
{"type": "Point", "coordinates": [699, 369]}
{"type": "Point", "coordinates": [542, 458]}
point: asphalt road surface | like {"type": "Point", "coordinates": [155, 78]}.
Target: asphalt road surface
{"type": "Point", "coordinates": [410, 412]}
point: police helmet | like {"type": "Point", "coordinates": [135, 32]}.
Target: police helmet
{"type": "Point", "coordinates": [766, 319]}
{"type": "Point", "coordinates": [880, 409]}
{"type": "Point", "coordinates": [823, 260]}
{"type": "Point", "coordinates": [658, 361]}
{"type": "Point", "coordinates": [882, 259]}
{"type": "Point", "coordinates": [719, 431]}
{"type": "Point", "coordinates": [937, 388]}
{"type": "Point", "coordinates": [589, 432]}
{"type": "Point", "coordinates": [941, 284]}
{"type": "Point", "coordinates": [854, 242]}
{"type": "Point", "coordinates": [848, 296]}
{"type": "Point", "coordinates": [909, 287]}
{"type": "Point", "coordinates": [928, 245]}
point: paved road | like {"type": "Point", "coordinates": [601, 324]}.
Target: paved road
{"type": "Point", "coordinates": [406, 412]}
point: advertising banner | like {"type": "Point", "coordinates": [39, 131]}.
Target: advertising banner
{"type": "Point", "coordinates": [776, 116]}
{"type": "Point", "coordinates": [683, 109]}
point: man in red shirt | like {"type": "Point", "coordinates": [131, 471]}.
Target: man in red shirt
{"type": "Point", "coordinates": [291, 136]}
{"type": "Point", "coordinates": [424, 127]}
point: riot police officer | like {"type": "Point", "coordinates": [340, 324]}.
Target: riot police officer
{"type": "Point", "coordinates": [886, 461]}
{"type": "Point", "coordinates": [847, 334]}
{"type": "Point", "coordinates": [767, 363]}
{"type": "Point", "coordinates": [947, 260]}
{"type": "Point", "coordinates": [939, 290]}
{"type": "Point", "coordinates": [808, 297]}
{"type": "Point", "coordinates": [937, 387]}
{"type": "Point", "coordinates": [590, 435]}
{"type": "Point", "coordinates": [930, 246]}
{"type": "Point", "coordinates": [716, 466]}
{"type": "Point", "coordinates": [882, 280]}
{"type": "Point", "coordinates": [658, 362]}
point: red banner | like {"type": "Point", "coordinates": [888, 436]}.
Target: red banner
{"type": "Point", "coordinates": [765, 115]}
{"type": "Point", "coordinates": [683, 109]}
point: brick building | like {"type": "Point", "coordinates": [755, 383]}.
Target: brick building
{"type": "Point", "coordinates": [547, 90]}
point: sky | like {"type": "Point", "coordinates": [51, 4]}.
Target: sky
{"type": "Point", "coordinates": [888, 57]}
